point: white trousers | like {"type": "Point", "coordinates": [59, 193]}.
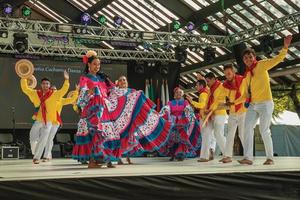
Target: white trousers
{"type": "Point", "coordinates": [38, 136]}
{"type": "Point", "coordinates": [263, 112]}
{"type": "Point", "coordinates": [49, 145]}
{"type": "Point", "coordinates": [213, 127]}
{"type": "Point", "coordinates": [213, 143]}
{"type": "Point", "coordinates": [234, 121]}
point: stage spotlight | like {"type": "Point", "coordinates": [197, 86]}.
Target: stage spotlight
{"type": "Point", "coordinates": [151, 64]}
{"type": "Point", "coordinates": [267, 43]}
{"type": "Point", "coordinates": [131, 34]}
{"type": "Point", "coordinates": [7, 9]}
{"type": "Point", "coordinates": [190, 26]}
{"type": "Point", "coordinates": [20, 42]}
{"type": "Point", "coordinates": [204, 28]}
{"type": "Point", "coordinates": [176, 25]}
{"type": "Point", "coordinates": [192, 49]}
{"type": "Point", "coordinates": [180, 54]}
{"type": "Point", "coordinates": [209, 55]}
{"type": "Point", "coordinates": [78, 30]}
{"type": "Point", "coordinates": [26, 11]}
{"type": "Point", "coordinates": [84, 31]}
{"type": "Point", "coordinates": [118, 20]}
{"type": "Point", "coordinates": [3, 33]}
{"type": "Point", "coordinates": [134, 35]}
{"type": "Point", "coordinates": [195, 49]}
{"type": "Point", "coordinates": [102, 19]}
{"type": "Point", "coordinates": [85, 18]}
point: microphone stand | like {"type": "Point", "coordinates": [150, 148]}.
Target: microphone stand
{"type": "Point", "coordinates": [14, 123]}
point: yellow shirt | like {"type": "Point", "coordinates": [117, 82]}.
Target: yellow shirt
{"type": "Point", "coordinates": [260, 81]}
{"type": "Point", "coordinates": [32, 94]}
{"type": "Point", "coordinates": [202, 102]}
{"type": "Point", "coordinates": [65, 101]}
{"type": "Point", "coordinates": [219, 98]}
{"type": "Point", "coordinates": [50, 102]}
{"type": "Point", "coordinates": [231, 95]}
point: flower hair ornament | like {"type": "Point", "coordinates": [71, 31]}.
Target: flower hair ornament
{"type": "Point", "coordinates": [88, 54]}
{"type": "Point", "coordinates": [176, 88]}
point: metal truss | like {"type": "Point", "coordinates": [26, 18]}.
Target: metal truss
{"type": "Point", "coordinates": [109, 34]}
{"type": "Point", "coordinates": [69, 51]}
{"type": "Point", "coordinates": [280, 24]}
{"type": "Point", "coordinates": [33, 28]}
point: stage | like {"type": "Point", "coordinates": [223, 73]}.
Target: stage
{"type": "Point", "coordinates": [151, 178]}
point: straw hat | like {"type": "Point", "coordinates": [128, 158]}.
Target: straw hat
{"type": "Point", "coordinates": [32, 82]}
{"type": "Point", "coordinates": [24, 68]}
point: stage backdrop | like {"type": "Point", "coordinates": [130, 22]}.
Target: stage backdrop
{"type": "Point", "coordinates": [137, 80]}
{"type": "Point", "coordinates": [13, 97]}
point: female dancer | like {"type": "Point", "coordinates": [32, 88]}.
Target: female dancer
{"type": "Point", "coordinates": [93, 141]}
{"type": "Point", "coordinates": [185, 138]}
{"type": "Point", "coordinates": [141, 129]}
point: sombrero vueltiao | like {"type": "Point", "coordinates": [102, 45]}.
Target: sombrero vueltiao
{"type": "Point", "coordinates": [32, 82]}
{"type": "Point", "coordinates": [24, 68]}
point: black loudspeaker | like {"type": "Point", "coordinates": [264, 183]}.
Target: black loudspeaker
{"type": "Point", "coordinates": [20, 42]}
{"type": "Point", "coordinates": [180, 54]}
{"type": "Point", "coordinates": [237, 51]}
{"type": "Point", "coordinates": [139, 68]}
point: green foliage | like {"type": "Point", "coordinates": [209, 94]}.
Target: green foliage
{"type": "Point", "coordinates": [280, 105]}
{"type": "Point", "coordinates": [282, 100]}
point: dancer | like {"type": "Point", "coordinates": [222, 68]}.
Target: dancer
{"type": "Point", "coordinates": [203, 97]}
{"type": "Point", "coordinates": [213, 142]}
{"type": "Point", "coordinates": [200, 106]}
{"type": "Point", "coordinates": [140, 127]}
{"type": "Point", "coordinates": [58, 122]}
{"type": "Point", "coordinates": [216, 123]}
{"type": "Point", "coordinates": [92, 140]}
{"type": "Point", "coordinates": [122, 83]}
{"type": "Point", "coordinates": [260, 101]}
{"type": "Point", "coordinates": [114, 121]}
{"type": "Point", "coordinates": [180, 113]}
{"type": "Point", "coordinates": [233, 90]}
{"type": "Point", "coordinates": [44, 101]}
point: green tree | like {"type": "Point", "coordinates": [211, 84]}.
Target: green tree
{"type": "Point", "coordinates": [286, 98]}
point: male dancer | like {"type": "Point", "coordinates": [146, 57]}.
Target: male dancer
{"type": "Point", "coordinates": [216, 124]}
{"type": "Point", "coordinates": [201, 105]}
{"type": "Point", "coordinates": [45, 101]}
{"type": "Point", "coordinates": [213, 142]}
{"type": "Point", "coordinates": [58, 122]}
{"type": "Point", "coordinates": [260, 101]}
{"type": "Point", "coordinates": [233, 90]}
{"type": "Point", "coordinates": [203, 97]}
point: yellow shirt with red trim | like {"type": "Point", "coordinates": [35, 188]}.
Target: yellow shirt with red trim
{"type": "Point", "coordinates": [51, 102]}
{"type": "Point", "coordinates": [259, 83]}
{"type": "Point", "coordinates": [231, 95]}
{"type": "Point", "coordinates": [219, 98]}
{"type": "Point", "coordinates": [31, 93]}
{"type": "Point", "coordinates": [65, 101]}
{"type": "Point", "coordinates": [202, 102]}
